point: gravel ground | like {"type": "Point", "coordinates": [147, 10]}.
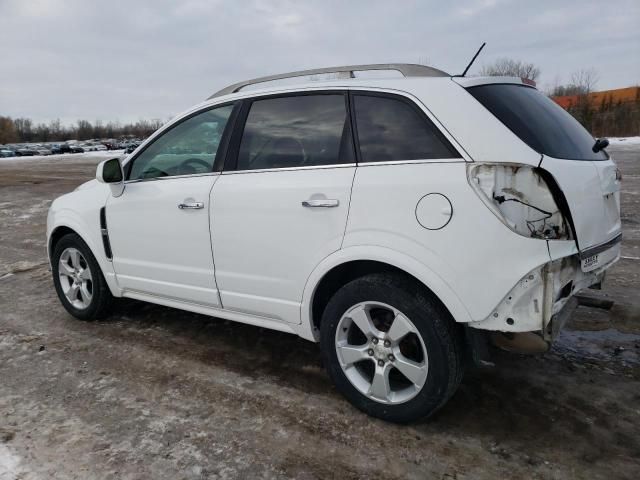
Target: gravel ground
{"type": "Point", "coordinates": [157, 393]}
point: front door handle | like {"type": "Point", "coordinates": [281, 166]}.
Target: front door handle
{"type": "Point", "coordinates": [321, 203]}
{"type": "Point", "coordinates": [191, 205]}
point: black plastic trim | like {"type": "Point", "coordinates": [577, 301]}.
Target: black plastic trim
{"type": "Point", "coordinates": [105, 233]}
{"type": "Point", "coordinates": [221, 154]}
{"type": "Point", "coordinates": [559, 198]}
{"type": "Point", "coordinates": [354, 127]}
{"type": "Point", "coordinates": [590, 252]}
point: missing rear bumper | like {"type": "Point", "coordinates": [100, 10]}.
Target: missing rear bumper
{"type": "Point", "coordinates": [543, 299]}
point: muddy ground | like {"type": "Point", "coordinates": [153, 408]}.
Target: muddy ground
{"type": "Point", "coordinates": [158, 393]}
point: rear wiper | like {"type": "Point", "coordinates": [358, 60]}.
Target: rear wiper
{"type": "Point", "coordinates": [600, 144]}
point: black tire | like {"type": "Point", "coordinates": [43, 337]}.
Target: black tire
{"type": "Point", "coordinates": [442, 338]}
{"type": "Point", "coordinates": [101, 299]}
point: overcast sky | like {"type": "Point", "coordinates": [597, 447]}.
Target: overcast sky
{"type": "Point", "coordinates": [126, 60]}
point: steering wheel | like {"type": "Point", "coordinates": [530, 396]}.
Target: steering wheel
{"type": "Point", "coordinates": [190, 162]}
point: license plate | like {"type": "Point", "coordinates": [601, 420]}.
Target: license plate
{"type": "Point", "coordinates": [590, 263]}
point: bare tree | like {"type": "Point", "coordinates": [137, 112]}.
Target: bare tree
{"type": "Point", "coordinates": [508, 67]}
{"type": "Point", "coordinates": [584, 80]}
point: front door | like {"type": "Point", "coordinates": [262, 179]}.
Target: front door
{"type": "Point", "coordinates": [159, 226]}
{"type": "Point", "coordinates": [283, 205]}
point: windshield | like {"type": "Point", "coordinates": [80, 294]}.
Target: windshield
{"type": "Point", "coordinates": [538, 121]}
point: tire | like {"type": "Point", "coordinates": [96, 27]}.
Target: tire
{"type": "Point", "coordinates": [93, 299]}
{"type": "Point", "coordinates": [382, 300]}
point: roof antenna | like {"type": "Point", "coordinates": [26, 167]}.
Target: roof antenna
{"type": "Point", "coordinates": [472, 60]}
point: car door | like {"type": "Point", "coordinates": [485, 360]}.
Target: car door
{"type": "Point", "coordinates": [281, 204]}
{"type": "Point", "coordinates": [159, 226]}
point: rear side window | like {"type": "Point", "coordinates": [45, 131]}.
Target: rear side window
{"type": "Point", "coordinates": [296, 131]}
{"type": "Point", "coordinates": [538, 121]}
{"type": "Point", "coordinates": [391, 129]}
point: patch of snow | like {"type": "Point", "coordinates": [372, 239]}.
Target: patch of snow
{"type": "Point", "coordinates": [77, 156]}
{"type": "Point", "coordinates": [624, 140]}
{"type": "Point", "coordinates": [9, 464]}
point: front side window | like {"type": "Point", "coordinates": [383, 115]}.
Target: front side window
{"type": "Point", "coordinates": [186, 149]}
{"type": "Point", "coordinates": [390, 129]}
{"type": "Point", "coordinates": [296, 131]}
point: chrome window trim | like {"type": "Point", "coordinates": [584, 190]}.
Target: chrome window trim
{"type": "Point", "coordinates": [347, 165]}
{"type": "Point", "coordinates": [409, 162]}
{"type": "Point", "coordinates": [171, 177]}
{"type": "Point", "coordinates": [290, 169]}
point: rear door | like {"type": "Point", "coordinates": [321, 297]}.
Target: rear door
{"type": "Point", "coordinates": [281, 204]}
{"type": "Point", "coordinates": [588, 179]}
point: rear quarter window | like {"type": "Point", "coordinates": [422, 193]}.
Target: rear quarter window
{"type": "Point", "coordinates": [538, 121]}
{"type": "Point", "coordinates": [391, 129]}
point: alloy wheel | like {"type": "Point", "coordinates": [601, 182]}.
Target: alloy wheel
{"type": "Point", "coordinates": [381, 352]}
{"type": "Point", "coordinates": [75, 278]}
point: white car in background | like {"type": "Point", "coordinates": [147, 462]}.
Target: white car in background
{"type": "Point", "coordinates": [400, 222]}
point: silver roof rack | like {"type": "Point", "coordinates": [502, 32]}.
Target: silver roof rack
{"type": "Point", "coordinates": [407, 69]}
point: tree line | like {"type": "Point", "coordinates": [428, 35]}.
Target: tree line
{"type": "Point", "coordinates": [24, 130]}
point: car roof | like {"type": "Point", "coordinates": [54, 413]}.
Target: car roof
{"type": "Point", "coordinates": [403, 84]}
{"type": "Point", "coordinates": [399, 84]}
{"type": "Point", "coordinates": [341, 72]}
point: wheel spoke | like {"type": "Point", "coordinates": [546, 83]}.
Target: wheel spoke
{"type": "Point", "coordinates": [85, 274]}
{"type": "Point", "coordinates": [415, 372]}
{"type": "Point", "coordinates": [400, 327]}
{"type": "Point", "coordinates": [64, 268]}
{"type": "Point", "coordinates": [84, 293]}
{"type": "Point", "coordinates": [72, 293]}
{"type": "Point", "coordinates": [75, 258]}
{"type": "Point", "coordinates": [361, 318]}
{"type": "Point", "coordinates": [380, 387]}
{"type": "Point", "coordinates": [350, 354]}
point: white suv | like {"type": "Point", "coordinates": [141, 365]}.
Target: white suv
{"type": "Point", "coordinates": [400, 222]}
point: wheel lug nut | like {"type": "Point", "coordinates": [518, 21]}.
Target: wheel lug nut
{"type": "Point", "coordinates": [375, 341]}
{"type": "Point", "coordinates": [370, 352]}
{"type": "Point", "coordinates": [381, 363]}
{"type": "Point", "coordinates": [387, 343]}
{"type": "Point", "coordinates": [391, 357]}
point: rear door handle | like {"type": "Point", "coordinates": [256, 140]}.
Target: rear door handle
{"type": "Point", "coordinates": [321, 203]}
{"type": "Point", "coordinates": [191, 205]}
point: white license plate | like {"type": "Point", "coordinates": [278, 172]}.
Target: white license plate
{"type": "Point", "coordinates": [590, 263]}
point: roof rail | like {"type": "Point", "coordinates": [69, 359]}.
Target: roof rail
{"type": "Point", "coordinates": [407, 69]}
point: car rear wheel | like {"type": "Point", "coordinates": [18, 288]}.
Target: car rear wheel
{"type": "Point", "coordinates": [78, 279]}
{"type": "Point", "coordinates": [391, 348]}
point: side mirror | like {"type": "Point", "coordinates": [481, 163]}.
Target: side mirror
{"type": "Point", "coordinates": [600, 144]}
{"type": "Point", "coordinates": [110, 172]}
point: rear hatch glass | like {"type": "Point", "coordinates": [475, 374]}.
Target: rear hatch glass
{"type": "Point", "coordinates": [538, 121]}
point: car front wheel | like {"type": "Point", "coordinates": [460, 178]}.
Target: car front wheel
{"type": "Point", "coordinates": [391, 348]}
{"type": "Point", "coordinates": [78, 279]}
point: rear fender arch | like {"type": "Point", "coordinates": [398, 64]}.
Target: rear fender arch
{"type": "Point", "coordinates": [392, 258]}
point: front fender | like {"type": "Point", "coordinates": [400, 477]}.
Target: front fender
{"type": "Point", "coordinates": [80, 212]}
{"type": "Point", "coordinates": [400, 260]}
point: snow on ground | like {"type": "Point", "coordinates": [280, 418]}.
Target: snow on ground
{"type": "Point", "coordinates": [9, 464]}
{"type": "Point", "coordinates": [624, 140]}
{"type": "Point", "coordinates": [76, 156]}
